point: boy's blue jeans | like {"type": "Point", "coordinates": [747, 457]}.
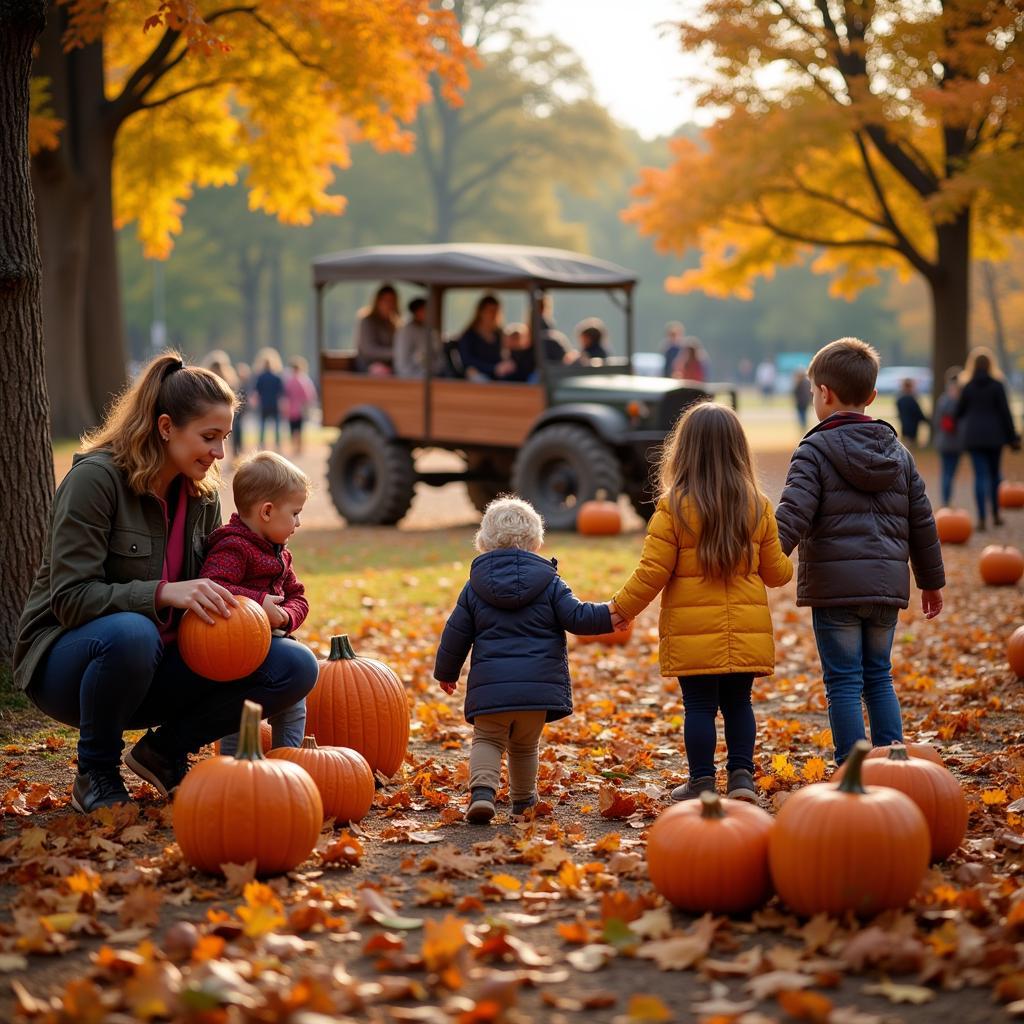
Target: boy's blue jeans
{"type": "Point", "coordinates": [855, 646]}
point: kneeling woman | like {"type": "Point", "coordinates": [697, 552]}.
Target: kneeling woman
{"type": "Point", "coordinates": [95, 644]}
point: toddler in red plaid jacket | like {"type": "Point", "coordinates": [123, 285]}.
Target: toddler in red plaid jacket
{"type": "Point", "coordinates": [248, 556]}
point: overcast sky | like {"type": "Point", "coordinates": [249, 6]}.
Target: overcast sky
{"type": "Point", "coordinates": [634, 64]}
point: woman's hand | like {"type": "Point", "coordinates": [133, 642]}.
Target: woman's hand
{"type": "Point", "coordinates": [199, 596]}
{"type": "Point", "coordinates": [278, 617]}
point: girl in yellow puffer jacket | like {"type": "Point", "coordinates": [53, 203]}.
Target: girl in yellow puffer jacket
{"type": "Point", "coordinates": [712, 546]}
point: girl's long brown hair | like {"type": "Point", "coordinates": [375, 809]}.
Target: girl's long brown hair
{"type": "Point", "coordinates": [129, 431]}
{"type": "Point", "coordinates": [707, 461]}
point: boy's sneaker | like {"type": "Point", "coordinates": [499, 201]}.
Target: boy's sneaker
{"type": "Point", "coordinates": [741, 786]}
{"type": "Point", "coordinates": [102, 787]}
{"type": "Point", "coordinates": [481, 806]}
{"type": "Point", "coordinates": [163, 773]}
{"type": "Point", "coordinates": [693, 789]}
{"type": "Point", "coordinates": [520, 807]}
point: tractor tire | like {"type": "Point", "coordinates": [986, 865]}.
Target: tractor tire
{"type": "Point", "coordinates": [560, 467]}
{"type": "Point", "coordinates": [371, 479]}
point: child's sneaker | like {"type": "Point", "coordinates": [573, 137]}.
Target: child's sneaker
{"type": "Point", "coordinates": [693, 789]}
{"type": "Point", "coordinates": [520, 807]}
{"type": "Point", "coordinates": [481, 806]}
{"type": "Point", "coordinates": [741, 786]}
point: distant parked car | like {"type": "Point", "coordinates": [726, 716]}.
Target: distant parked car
{"type": "Point", "coordinates": [649, 364]}
{"type": "Point", "coordinates": [891, 378]}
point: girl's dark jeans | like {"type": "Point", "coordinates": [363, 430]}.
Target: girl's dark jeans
{"type": "Point", "coordinates": [703, 697]}
{"type": "Point", "coordinates": [114, 674]}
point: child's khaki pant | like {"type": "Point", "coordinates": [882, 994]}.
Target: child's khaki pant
{"type": "Point", "coordinates": [515, 731]}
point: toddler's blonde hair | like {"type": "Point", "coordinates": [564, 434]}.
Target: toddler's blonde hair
{"type": "Point", "coordinates": [266, 476]}
{"type": "Point", "coordinates": [510, 522]}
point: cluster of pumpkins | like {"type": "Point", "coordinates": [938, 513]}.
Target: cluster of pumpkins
{"type": "Point", "coordinates": [862, 844]}
{"type": "Point", "coordinates": [269, 805]}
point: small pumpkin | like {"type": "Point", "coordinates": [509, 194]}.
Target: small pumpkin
{"type": "Point", "coordinates": [843, 847]}
{"type": "Point", "coordinates": [266, 738]}
{"type": "Point", "coordinates": [359, 703]}
{"type": "Point", "coordinates": [341, 774]}
{"type": "Point", "coordinates": [616, 638]}
{"type": "Point", "coordinates": [932, 787]}
{"type": "Point", "coordinates": [1015, 651]}
{"type": "Point", "coordinates": [711, 855]}
{"type": "Point", "coordinates": [953, 525]}
{"type": "Point", "coordinates": [599, 517]}
{"type": "Point", "coordinates": [1011, 494]}
{"type": "Point", "coordinates": [229, 649]}
{"type": "Point", "coordinates": [231, 810]}
{"type": "Point", "coordinates": [1001, 566]}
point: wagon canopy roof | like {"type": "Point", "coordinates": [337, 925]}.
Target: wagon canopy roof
{"type": "Point", "coordinates": [472, 265]}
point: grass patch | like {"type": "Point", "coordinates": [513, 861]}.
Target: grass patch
{"type": "Point", "coordinates": [11, 698]}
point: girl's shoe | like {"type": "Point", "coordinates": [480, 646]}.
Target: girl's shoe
{"type": "Point", "coordinates": [693, 789]}
{"type": "Point", "coordinates": [741, 786]}
{"type": "Point", "coordinates": [481, 806]}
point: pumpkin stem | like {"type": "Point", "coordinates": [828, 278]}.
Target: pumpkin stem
{"type": "Point", "coordinates": [898, 752]}
{"type": "Point", "coordinates": [309, 743]}
{"type": "Point", "coordinates": [341, 649]}
{"type": "Point", "coordinates": [249, 748]}
{"type": "Point", "coordinates": [711, 806]}
{"type": "Point", "coordinates": [851, 781]}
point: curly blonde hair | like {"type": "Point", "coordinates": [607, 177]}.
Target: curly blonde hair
{"type": "Point", "coordinates": [510, 522]}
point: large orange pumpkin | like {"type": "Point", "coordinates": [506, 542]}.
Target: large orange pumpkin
{"type": "Point", "coordinates": [1015, 651]}
{"type": "Point", "coordinates": [359, 703]}
{"type": "Point", "coordinates": [229, 649]}
{"type": "Point", "coordinates": [616, 638]}
{"type": "Point", "coordinates": [341, 774]}
{"type": "Point", "coordinates": [1011, 494]}
{"type": "Point", "coordinates": [598, 518]}
{"type": "Point", "coordinates": [231, 810]}
{"type": "Point", "coordinates": [1001, 566]}
{"type": "Point", "coordinates": [953, 525]}
{"type": "Point", "coordinates": [932, 787]}
{"type": "Point", "coordinates": [843, 847]}
{"type": "Point", "coordinates": [711, 855]}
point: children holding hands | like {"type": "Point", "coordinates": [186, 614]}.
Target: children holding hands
{"type": "Point", "coordinates": [250, 558]}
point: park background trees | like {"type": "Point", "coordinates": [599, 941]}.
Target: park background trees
{"type": "Point", "coordinates": [857, 136]}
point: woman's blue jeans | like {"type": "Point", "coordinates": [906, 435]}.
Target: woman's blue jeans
{"type": "Point", "coordinates": [114, 674]}
{"type": "Point", "coordinates": [987, 476]}
{"type": "Point", "coordinates": [855, 646]}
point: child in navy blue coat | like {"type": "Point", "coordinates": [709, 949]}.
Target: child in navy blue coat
{"type": "Point", "coordinates": [514, 612]}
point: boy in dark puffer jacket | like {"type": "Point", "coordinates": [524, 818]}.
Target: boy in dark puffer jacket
{"type": "Point", "coordinates": [514, 612]}
{"type": "Point", "coordinates": [856, 505]}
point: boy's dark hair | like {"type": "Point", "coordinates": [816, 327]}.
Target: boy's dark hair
{"type": "Point", "coordinates": [849, 367]}
{"type": "Point", "coordinates": [592, 329]}
{"type": "Point", "coordinates": [417, 304]}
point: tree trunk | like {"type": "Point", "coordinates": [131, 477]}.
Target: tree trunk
{"type": "Point", "coordinates": [26, 459]}
{"type": "Point", "coordinates": [250, 275]}
{"type": "Point", "coordinates": [988, 275]}
{"type": "Point", "coordinates": [950, 287]}
{"type": "Point", "coordinates": [85, 347]}
{"type": "Point", "coordinates": [275, 299]}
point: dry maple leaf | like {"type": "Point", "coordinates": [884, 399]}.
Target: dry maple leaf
{"type": "Point", "coordinates": [238, 876]}
{"type": "Point", "coordinates": [895, 993]}
{"type": "Point", "coordinates": [615, 804]}
{"type": "Point", "coordinates": [442, 942]}
{"type": "Point", "coordinates": [812, 1006]}
{"type": "Point", "coordinates": [141, 906]}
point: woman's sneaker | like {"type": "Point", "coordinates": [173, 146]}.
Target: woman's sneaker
{"type": "Point", "coordinates": [693, 789]}
{"type": "Point", "coordinates": [102, 787]}
{"type": "Point", "coordinates": [163, 773]}
{"type": "Point", "coordinates": [481, 806]}
{"type": "Point", "coordinates": [741, 786]}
